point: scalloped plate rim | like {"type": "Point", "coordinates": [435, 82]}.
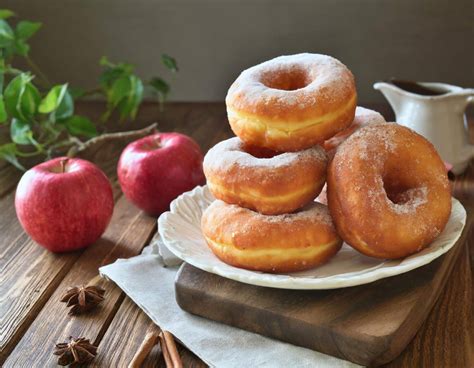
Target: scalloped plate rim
{"type": "Point", "coordinates": [286, 281]}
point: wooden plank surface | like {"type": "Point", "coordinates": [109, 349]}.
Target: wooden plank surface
{"type": "Point", "coordinates": [206, 122]}
{"type": "Point", "coordinates": [368, 324]}
{"type": "Point", "coordinates": [129, 231]}
{"type": "Point", "coordinates": [124, 336]}
{"type": "Point", "coordinates": [20, 306]}
{"type": "Point", "coordinates": [436, 344]}
{"type": "Point", "coordinates": [28, 276]}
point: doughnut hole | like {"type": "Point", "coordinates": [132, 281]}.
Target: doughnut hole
{"type": "Point", "coordinates": [260, 152]}
{"type": "Point", "coordinates": [399, 187]}
{"type": "Point", "coordinates": [397, 193]}
{"type": "Point", "coordinates": [289, 79]}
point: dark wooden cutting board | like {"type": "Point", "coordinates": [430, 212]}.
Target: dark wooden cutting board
{"type": "Point", "coordinates": [369, 324]}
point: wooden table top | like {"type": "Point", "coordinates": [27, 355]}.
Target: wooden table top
{"type": "Point", "coordinates": [32, 279]}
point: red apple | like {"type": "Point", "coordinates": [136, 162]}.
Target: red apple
{"type": "Point", "coordinates": [154, 170]}
{"type": "Point", "coordinates": [64, 204]}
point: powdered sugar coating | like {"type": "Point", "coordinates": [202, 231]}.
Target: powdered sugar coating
{"type": "Point", "coordinates": [313, 213]}
{"type": "Point", "coordinates": [410, 200]}
{"type": "Point", "coordinates": [373, 143]}
{"type": "Point", "coordinates": [231, 152]}
{"type": "Point", "coordinates": [363, 117]}
{"type": "Point", "coordinates": [388, 191]}
{"type": "Point", "coordinates": [328, 82]}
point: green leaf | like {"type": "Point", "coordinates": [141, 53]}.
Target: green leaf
{"type": "Point", "coordinates": [128, 107]}
{"type": "Point", "coordinates": [169, 62]}
{"type": "Point", "coordinates": [25, 29]}
{"type": "Point", "coordinates": [22, 97]}
{"type": "Point", "coordinates": [124, 90]}
{"type": "Point", "coordinates": [126, 94]}
{"type": "Point", "coordinates": [119, 90]}
{"type": "Point", "coordinates": [12, 93]}
{"type": "Point", "coordinates": [160, 86]}
{"type": "Point", "coordinates": [20, 47]}
{"type": "Point", "coordinates": [8, 153]}
{"type": "Point", "coordinates": [112, 72]}
{"type": "Point", "coordinates": [8, 69]}
{"type": "Point", "coordinates": [30, 100]}
{"type": "Point", "coordinates": [108, 76]}
{"type": "Point", "coordinates": [52, 99]}
{"type": "Point", "coordinates": [2, 74]}
{"type": "Point", "coordinates": [6, 34]}
{"type": "Point", "coordinates": [6, 13]}
{"type": "Point", "coordinates": [66, 107]}
{"type": "Point", "coordinates": [80, 125]}
{"type": "Point", "coordinates": [58, 102]}
{"type": "Point", "coordinates": [3, 112]}
{"type": "Point", "coordinates": [104, 61]}
{"type": "Point", "coordinates": [20, 132]}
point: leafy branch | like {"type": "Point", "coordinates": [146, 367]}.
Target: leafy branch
{"type": "Point", "coordinates": [41, 117]}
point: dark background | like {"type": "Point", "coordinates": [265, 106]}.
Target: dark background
{"type": "Point", "coordinates": [213, 40]}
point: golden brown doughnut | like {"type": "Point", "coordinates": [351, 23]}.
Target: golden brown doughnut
{"type": "Point", "coordinates": [292, 102]}
{"type": "Point", "coordinates": [362, 118]}
{"type": "Point", "coordinates": [388, 191]}
{"type": "Point", "coordinates": [276, 244]}
{"type": "Point", "coordinates": [268, 182]}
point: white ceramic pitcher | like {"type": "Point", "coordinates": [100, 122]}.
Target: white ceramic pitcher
{"type": "Point", "coordinates": [440, 118]}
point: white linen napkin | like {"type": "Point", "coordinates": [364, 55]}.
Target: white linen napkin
{"type": "Point", "coordinates": [148, 280]}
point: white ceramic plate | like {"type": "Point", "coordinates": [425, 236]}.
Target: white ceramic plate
{"type": "Point", "coordinates": [180, 229]}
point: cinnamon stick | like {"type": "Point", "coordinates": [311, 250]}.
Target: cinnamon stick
{"type": "Point", "coordinates": [172, 349]}
{"type": "Point", "coordinates": [169, 350]}
{"type": "Point", "coordinates": [165, 352]}
{"type": "Point", "coordinates": [150, 340]}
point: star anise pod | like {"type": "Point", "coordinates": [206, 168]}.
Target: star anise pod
{"type": "Point", "coordinates": [82, 298]}
{"type": "Point", "coordinates": [76, 351]}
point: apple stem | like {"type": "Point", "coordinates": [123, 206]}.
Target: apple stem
{"type": "Point", "coordinates": [157, 139]}
{"type": "Point", "coordinates": [63, 163]}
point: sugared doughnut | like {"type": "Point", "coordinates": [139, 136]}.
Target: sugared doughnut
{"type": "Point", "coordinates": [388, 192]}
{"type": "Point", "coordinates": [263, 180]}
{"type": "Point", "coordinates": [284, 243]}
{"type": "Point", "coordinates": [363, 117]}
{"type": "Point", "coordinates": [292, 102]}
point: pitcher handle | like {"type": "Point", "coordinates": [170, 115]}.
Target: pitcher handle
{"type": "Point", "coordinates": [469, 93]}
{"type": "Point", "coordinates": [469, 100]}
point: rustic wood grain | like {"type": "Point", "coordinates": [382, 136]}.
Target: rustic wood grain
{"type": "Point", "coordinates": [435, 344]}
{"type": "Point", "coordinates": [202, 121]}
{"type": "Point", "coordinates": [29, 273]}
{"type": "Point", "coordinates": [9, 176]}
{"type": "Point", "coordinates": [18, 313]}
{"type": "Point", "coordinates": [368, 324]}
{"type": "Point", "coordinates": [208, 124]}
{"type": "Point", "coordinates": [28, 276]}
{"type": "Point", "coordinates": [130, 229]}
{"type": "Point", "coordinates": [124, 336]}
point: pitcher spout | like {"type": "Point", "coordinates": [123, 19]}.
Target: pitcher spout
{"type": "Point", "coordinates": [393, 94]}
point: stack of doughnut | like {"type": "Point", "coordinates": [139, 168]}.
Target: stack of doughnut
{"type": "Point", "coordinates": [297, 127]}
